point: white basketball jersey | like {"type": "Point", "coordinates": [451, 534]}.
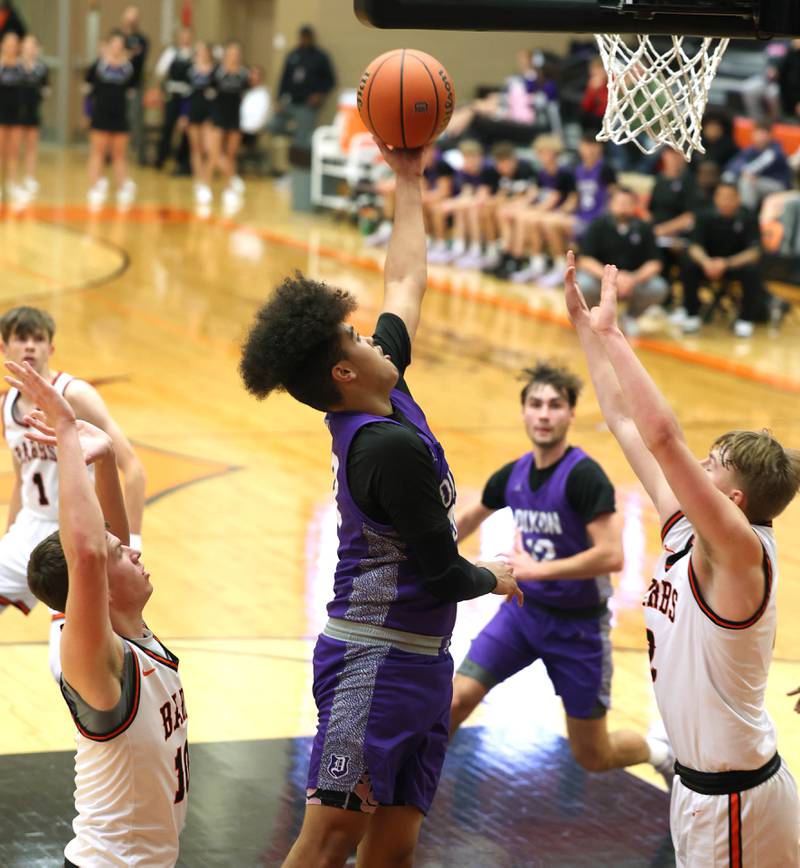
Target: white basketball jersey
{"type": "Point", "coordinates": [710, 674]}
{"type": "Point", "coordinates": [132, 785]}
{"type": "Point", "coordinates": [37, 461]}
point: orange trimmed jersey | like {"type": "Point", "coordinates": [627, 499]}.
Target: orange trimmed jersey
{"type": "Point", "coordinates": [710, 674]}
{"type": "Point", "coordinates": [37, 461]}
{"type": "Point", "coordinates": [132, 784]}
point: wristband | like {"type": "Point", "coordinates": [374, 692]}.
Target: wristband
{"type": "Point", "coordinates": [136, 542]}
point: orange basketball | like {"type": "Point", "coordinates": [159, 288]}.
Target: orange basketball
{"type": "Point", "coordinates": [406, 98]}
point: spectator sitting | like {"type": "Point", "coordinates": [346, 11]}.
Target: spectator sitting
{"type": "Point", "coordinates": [593, 182]}
{"type": "Point", "coordinates": [437, 186]}
{"type": "Point", "coordinates": [254, 110]}
{"type": "Point", "coordinates": [673, 202]}
{"type": "Point", "coordinates": [466, 182]}
{"type": "Point", "coordinates": [595, 97]}
{"type": "Point", "coordinates": [789, 81]}
{"type": "Point", "coordinates": [725, 243]}
{"type": "Point", "coordinates": [717, 137]}
{"type": "Point", "coordinates": [760, 169]}
{"type": "Point", "coordinates": [504, 182]}
{"type": "Point", "coordinates": [521, 231]}
{"type": "Point", "coordinates": [628, 242]}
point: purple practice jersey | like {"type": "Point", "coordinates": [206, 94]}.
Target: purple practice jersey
{"type": "Point", "coordinates": [551, 529]}
{"type": "Point", "coordinates": [592, 187]}
{"type": "Point", "coordinates": [377, 581]}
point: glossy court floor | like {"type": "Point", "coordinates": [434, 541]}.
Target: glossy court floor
{"type": "Point", "coordinates": [239, 529]}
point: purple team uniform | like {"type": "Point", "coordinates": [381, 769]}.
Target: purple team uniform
{"type": "Point", "coordinates": [565, 623]}
{"type": "Point", "coordinates": [382, 670]}
{"type": "Point", "coordinates": [592, 185]}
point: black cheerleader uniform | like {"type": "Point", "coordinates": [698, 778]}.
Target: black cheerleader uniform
{"type": "Point", "coordinates": [109, 99]}
{"type": "Point", "coordinates": [10, 94]}
{"type": "Point", "coordinates": [35, 80]}
{"type": "Point", "coordinates": [230, 87]}
{"type": "Point", "coordinates": [202, 95]}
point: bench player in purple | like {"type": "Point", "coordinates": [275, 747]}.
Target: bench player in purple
{"type": "Point", "coordinates": [564, 512]}
{"type": "Point", "coordinates": [382, 671]}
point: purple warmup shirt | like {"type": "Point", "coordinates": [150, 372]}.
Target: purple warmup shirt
{"type": "Point", "coordinates": [377, 581]}
{"type": "Point", "coordinates": [552, 529]}
{"type": "Point", "coordinates": [592, 192]}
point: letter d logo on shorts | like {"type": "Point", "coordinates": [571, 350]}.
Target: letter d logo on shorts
{"type": "Point", "coordinates": [338, 765]}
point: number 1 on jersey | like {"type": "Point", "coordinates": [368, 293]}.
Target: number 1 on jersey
{"type": "Point", "coordinates": [39, 483]}
{"type": "Point", "coordinates": [182, 770]}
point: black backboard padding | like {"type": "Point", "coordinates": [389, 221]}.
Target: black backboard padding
{"type": "Point", "coordinates": [771, 18]}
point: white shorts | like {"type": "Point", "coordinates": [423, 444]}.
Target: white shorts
{"type": "Point", "coordinates": [16, 546]}
{"type": "Point", "coordinates": [757, 828]}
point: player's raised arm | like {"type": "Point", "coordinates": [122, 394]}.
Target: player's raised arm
{"type": "Point", "coordinates": [727, 543]}
{"type": "Point", "coordinates": [91, 655]}
{"type": "Point", "coordinates": [613, 404]}
{"type": "Point", "coordinates": [405, 274]}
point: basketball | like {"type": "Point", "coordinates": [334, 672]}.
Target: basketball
{"type": "Point", "coordinates": [406, 98]}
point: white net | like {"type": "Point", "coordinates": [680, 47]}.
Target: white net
{"type": "Point", "coordinates": [657, 97]}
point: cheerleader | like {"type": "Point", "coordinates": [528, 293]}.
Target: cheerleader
{"type": "Point", "coordinates": [231, 80]}
{"type": "Point", "coordinates": [10, 129]}
{"type": "Point", "coordinates": [201, 78]}
{"type": "Point", "coordinates": [35, 81]}
{"type": "Point", "coordinates": [110, 78]}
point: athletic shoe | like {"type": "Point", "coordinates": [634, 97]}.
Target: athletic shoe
{"type": "Point", "coordinates": [18, 196]}
{"type": "Point", "coordinates": [691, 325]}
{"type": "Point", "coordinates": [380, 237]}
{"type": "Point", "coordinates": [126, 194]}
{"type": "Point", "coordinates": [469, 260]}
{"type": "Point", "coordinates": [440, 255]}
{"type": "Point", "coordinates": [552, 278]}
{"type": "Point", "coordinates": [31, 185]}
{"type": "Point", "coordinates": [237, 184]}
{"type": "Point", "coordinates": [525, 275]}
{"type": "Point", "coordinates": [491, 261]}
{"type": "Point", "coordinates": [743, 328]}
{"type": "Point", "coordinates": [203, 194]}
{"type": "Point", "coordinates": [678, 316]}
{"type": "Point", "coordinates": [778, 308]}
{"type": "Point", "coordinates": [96, 196]}
{"type": "Point", "coordinates": [231, 202]}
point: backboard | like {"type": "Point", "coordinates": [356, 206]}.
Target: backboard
{"type": "Point", "coordinates": [754, 19]}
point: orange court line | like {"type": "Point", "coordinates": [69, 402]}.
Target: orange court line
{"type": "Point", "coordinates": [157, 213]}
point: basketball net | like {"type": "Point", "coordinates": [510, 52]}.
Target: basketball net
{"type": "Point", "coordinates": [657, 98]}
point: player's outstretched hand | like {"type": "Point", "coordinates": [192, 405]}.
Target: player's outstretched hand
{"type": "Point", "coordinates": [95, 443]}
{"type": "Point", "coordinates": [506, 583]}
{"type": "Point", "coordinates": [603, 317]}
{"type": "Point", "coordinates": [40, 393]}
{"type": "Point", "coordinates": [577, 308]}
{"type": "Point", "coordinates": [795, 693]}
{"type": "Point", "coordinates": [402, 161]}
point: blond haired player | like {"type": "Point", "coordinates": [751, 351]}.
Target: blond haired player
{"type": "Point", "coordinates": [125, 694]}
{"type": "Point", "coordinates": [27, 336]}
{"type": "Point", "coordinates": [710, 607]}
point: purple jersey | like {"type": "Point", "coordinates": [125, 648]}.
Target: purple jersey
{"type": "Point", "coordinates": [551, 529]}
{"type": "Point", "coordinates": [592, 186]}
{"type": "Point", "coordinates": [377, 581]}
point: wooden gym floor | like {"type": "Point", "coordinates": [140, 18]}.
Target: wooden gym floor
{"type": "Point", "coordinates": [239, 530]}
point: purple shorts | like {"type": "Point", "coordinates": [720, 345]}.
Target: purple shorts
{"type": "Point", "coordinates": [383, 725]}
{"type": "Point", "coordinates": [576, 653]}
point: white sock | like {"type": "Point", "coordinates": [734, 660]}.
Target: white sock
{"type": "Point", "coordinates": [659, 752]}
{"type": "Point", "coordinates": [459, 246]}
{"type": "Point", "coordinates": [538, 262]}
{"type": "Point", "coordinates": [475, 248]}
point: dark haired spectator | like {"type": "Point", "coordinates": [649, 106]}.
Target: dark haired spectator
{"type": "Point", "coordinates": [623, 239]}
{"type": "Point", "coordinates": [760, 169]}
{"type": "Point", "coordinates": [789, 81]}
{"type": "Point", "coordinates": [717, 136]}
{"type": "Point", "coordinates": [307, 78]}
{"type": "Point", "coordinates": [137, 45]}
{"type": "Point", "coordinates": [707, 175]}
{"type": "Point", "coordinates": [725, 244]}
{"type": "Point", "coordinates": [595, 97]}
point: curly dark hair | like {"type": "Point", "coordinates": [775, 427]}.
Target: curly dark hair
{"type": "Point", "coordinates": [296, 340]}
{"type": "Point", "coordinates": [551, 373]}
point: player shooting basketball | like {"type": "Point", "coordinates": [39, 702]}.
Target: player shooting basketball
{"type": "Point", "coordinates": [710, 608]}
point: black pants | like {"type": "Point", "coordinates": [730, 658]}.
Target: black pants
{"type": "Point", "coordinates": [172, 113]}
{"type": "Point", "coordinates": [755, 298]}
